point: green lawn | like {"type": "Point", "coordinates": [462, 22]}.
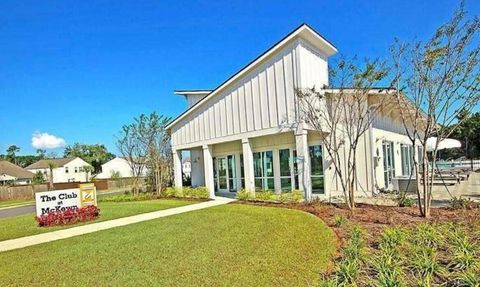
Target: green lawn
{"type": "Point", "coordinates": [25, 225]}
{"type": "Point", "coordinates": [230, 245]}
{"type": "Point", "coordinates": [12, 202]}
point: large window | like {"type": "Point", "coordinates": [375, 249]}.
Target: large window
{"type": "Point", "coordinates": [317, 177]}
{"type": "Point", "coordinates": [263, 170]}
{"type": "Point", "coordinates": [388, 162]}
{"type": "Point", "coordinates": [407, 159]}
{"type": "Point", "coordinates": [285, 173]}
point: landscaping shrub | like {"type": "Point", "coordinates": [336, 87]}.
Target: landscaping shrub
{"type": "Point", "coordinates": [128, 197]}
{"type": "Point", "coordinates": [186, 192]}
{"type": "Point", "coordinates": [340, 220]}
{"type": "Point", "coordinates": [171, 192]}
{"type": "Point", "coordinates": [462, 203]}
{"type": "Point", "coordinates": [69, 216]}
{"type": "Point", "coordinates": [264, 195]}
{"type": "Point", "coordinates": [404, 201]}
{"type": "Point", "coordinates": [269, 196]}
{"type": "Point", "coordinates": [245, 195]}
{"type": "Point", "coordinates": [424, 255]}
{"type": "Point", "coordinates": [198, 192]}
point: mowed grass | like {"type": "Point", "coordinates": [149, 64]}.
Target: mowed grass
{"type": "Point", "coordinates": [230, 245]}
{"type": "Point", "coordinates": [25, 225]}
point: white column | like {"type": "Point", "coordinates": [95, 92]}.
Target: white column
{"type": "Point", "coordinates": [197, 172]}
{"type": "Point", "coordinates": [303, 163]}
{"type": "Point", "coordinates": [208, 168]}
{"type": "Point", "coordinates": [238, 168]}
{"type": "Point", "coordinates": [248, 165]}
{"type": "Point", "coordinates": [177, 168]}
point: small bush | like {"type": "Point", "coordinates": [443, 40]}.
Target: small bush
{"type": "Point", "coordinates": [293, 196]}
{"type": "Point", "coordinates": [404, 201]}
{"type": "Point", "coordinates": [270, 196]}
{"type": "Point", "coordinates": [197, 193]}
{"type": "Point", "coordinates": [462, 203]}
{"type": "Point", "coordinates": [340, 220]}
{"type": "Point", "coordinates": [264, 195]}
{"type": "Point", "coordinates": [69, 216]}
{"type": "Point", "coordinates": [186, 192]}
{"type": "Point", "coordinates": [128, 197]}
{"type": "Point", "coordinates": [244, 195]}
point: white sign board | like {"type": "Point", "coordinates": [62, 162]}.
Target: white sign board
{"type": "Point", "coordinates": [57, 200]}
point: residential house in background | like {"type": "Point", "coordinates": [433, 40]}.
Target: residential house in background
{"type": "Point", "coordinates": [13, 174]}
{"type": "Point", "coordinates": [247, 133]}
{"type": "Point", "coordinates": [66, 169]}
{"type": "Point", "coordinates": [119, 166]}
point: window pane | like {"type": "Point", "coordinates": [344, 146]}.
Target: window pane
{"type": "Point", "coordinates": [257, 164]}
{"type": "Point", "coordinates": [284, 162]}
{"type": "Point", "coordinates": [317, 185]}
{"type": "Point", "coordinates": [258, 183]}
{"type": "Point", "coordinates": [270, 184]}
{"type": "Point", "coordinates": [222, 167]}
{"type": "Point", "coordinates": [268, 163]}
{"type": "Point", "coordinates": [232, 185]}
{"type": "Point", "coordinates": [316, 160]}
{"type": "Point", "coordinates": [223, 182]}
{"type": "Point", "coordinates": [286, 184]}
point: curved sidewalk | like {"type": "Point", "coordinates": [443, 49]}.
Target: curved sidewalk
{"type": "Point", "coordinates": [94, 227]}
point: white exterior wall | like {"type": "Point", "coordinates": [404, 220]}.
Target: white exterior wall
{"type": "Point", "coordinates": [117, 164]}
{"type": "Point", "coordinates": [263, 100]}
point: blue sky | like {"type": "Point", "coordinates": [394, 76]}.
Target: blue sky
{"type": "Point", "coordinates": [79, 70]}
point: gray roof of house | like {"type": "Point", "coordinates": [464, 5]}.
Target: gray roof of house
{"type": "Point", "coordinates": [11, 169]}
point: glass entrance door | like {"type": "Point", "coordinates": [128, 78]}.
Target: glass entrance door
{"type": "Point", "coordinates": [226, 173]}
{"type": "Point", "coordinates": [222, 174]}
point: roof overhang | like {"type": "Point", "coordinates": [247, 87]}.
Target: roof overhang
{"type": "Point", "coordinates": [191, 92]}
{"type": "Point", "coordinates": [304, 31]}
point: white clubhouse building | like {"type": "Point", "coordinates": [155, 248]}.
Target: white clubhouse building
{"type": "Point", "coordinates": [247, 133]}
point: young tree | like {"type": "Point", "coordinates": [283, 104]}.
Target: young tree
{"type": "Point", "coordinates": [38, 178]}
{"type": "Point", "coordinates": [51, 166]}
{"type": "Point", "coordinates": [343, 115]}
{"type": "Point", "coordinates": [145, 143]}
{"type": "Point", "coordinates": [441, 79]}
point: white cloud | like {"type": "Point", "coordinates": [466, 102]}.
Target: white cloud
{"type": "Point", "coordinates": [46, 141]}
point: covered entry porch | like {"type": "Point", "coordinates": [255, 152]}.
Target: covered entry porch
{"type": "Point", "coordinates": [280, 162]}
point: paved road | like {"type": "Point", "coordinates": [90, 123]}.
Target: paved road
{"type": "Point", "coordinates": [26, 209]}
{"type": "Point", "coordinates": [15, 211]}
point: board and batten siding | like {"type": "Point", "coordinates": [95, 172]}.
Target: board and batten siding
{"type": "Point", "coordinates": [263, 99]}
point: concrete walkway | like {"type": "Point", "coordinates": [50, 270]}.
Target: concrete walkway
{"type": "Point", "coordinates": [94, 227]}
